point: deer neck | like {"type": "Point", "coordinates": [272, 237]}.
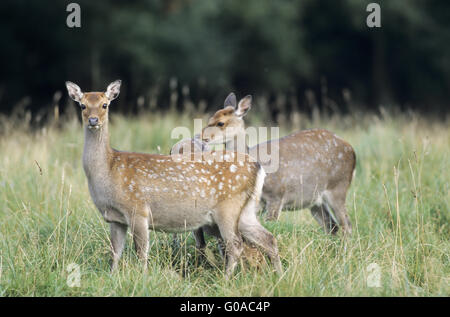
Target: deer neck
{"type": "Point", "coordinates": [238, 144]}
{"type": "Point", "coordinates": [97, 152]}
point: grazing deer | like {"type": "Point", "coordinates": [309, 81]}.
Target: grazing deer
{"type": "Point", "coordinates": [315, 166]}
{"type": "Point", "coordinates": [151, 191]}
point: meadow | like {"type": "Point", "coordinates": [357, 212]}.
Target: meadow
{"type": "Point", "coordinates": [399, 205]}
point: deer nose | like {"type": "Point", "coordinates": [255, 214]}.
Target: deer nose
{"type": "Point", "coordinates": [205, 136]}
{"type": "Point", "coordinates": [93, 121]}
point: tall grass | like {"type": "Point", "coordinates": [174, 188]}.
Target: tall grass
{"type": "Point", "coordinates": [399, 205]}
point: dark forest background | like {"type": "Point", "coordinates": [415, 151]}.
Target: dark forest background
{"type": "Point", "coordinates": [289, 51]}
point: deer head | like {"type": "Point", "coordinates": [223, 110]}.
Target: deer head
{"type": "Point", "coordinates": [227, 123]}
{"type": "Point", "coordinates": [94, 105]}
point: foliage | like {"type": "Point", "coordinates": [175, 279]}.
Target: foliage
{"type": "Point", "coordinates": [208, 48]}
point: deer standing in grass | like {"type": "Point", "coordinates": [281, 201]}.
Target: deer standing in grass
{"type": "Point", "coordinates": [315, 166]}
{"type": "Point", "coordinates": [197, 145]}
{"type": "Point", "coordinates": [148, 191]}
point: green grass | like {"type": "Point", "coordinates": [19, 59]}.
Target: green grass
{"type": "Point", "coordinates": [399, 206]}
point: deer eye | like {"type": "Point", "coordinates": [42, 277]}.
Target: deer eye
{"type": "Point", "coordinates": [83, 107]}
{"type": "Point", "coordinates": [105, 106]}
{"type": "Point", "coordinates": [220, 124]}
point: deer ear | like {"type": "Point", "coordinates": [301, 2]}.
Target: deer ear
{"type": "Point", "coordinates": [244, 106]}
{"type": "Point", "coordinates": [230, 101]}
{"type": "Point", "coordinates": [74, 91]}
{"type": "Point", "coordinates": [113, 90]}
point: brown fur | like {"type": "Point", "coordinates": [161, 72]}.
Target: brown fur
{"type": "Point", "coordinates": [315, 167]}
{"type": "Point", "coordinates": [168, 193]}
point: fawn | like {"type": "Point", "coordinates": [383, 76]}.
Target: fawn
{"type": "Point", "coordinates": [152, 191]}
{"type": "Point", "coordinates": [315, 168]}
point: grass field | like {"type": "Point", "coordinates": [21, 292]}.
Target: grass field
{"type": "Point", "coordinates": [399, 205]}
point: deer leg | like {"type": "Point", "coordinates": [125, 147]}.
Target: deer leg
{"type": "Point", "coordinates": [199, 237]}
{"type": "Point", "coordinates": [222, 247]}
{"type": "Point", "coordinates": [255, 233]}
{"type": "Point", "coordinates": [118, 238]}
{"type": "Point", "coordinates": [323, 217]}
{"type": "Point", "coordinates": [215, 232]}
{"type": "Point", "coordinates": [175, 241]}
{"type": "Point", "coordinates": [233, 251]}
{"type": "Point", "coordinates": [336, 200]}
{"type": "Point", "coordinates": [232, 240]}
{"type": "Point", "coordinates": [139, 230]}
{"type": "Point", "coordinates": [274, 208]}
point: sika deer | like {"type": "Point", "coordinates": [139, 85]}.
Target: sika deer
{"type": "Point", "coordinates": [315, 166]}
{"type": "Point", "coordinates": [197, 145]}
{"type": "Point", "coordinates": [150, 191]}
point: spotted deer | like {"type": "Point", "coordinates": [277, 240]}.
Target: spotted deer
{"type": "Point", "coordinates": [152, 191]}
{"type": "Point", "coordinates": [249, 253]}
{"type": "Point", "coordinates": [315, 166]}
